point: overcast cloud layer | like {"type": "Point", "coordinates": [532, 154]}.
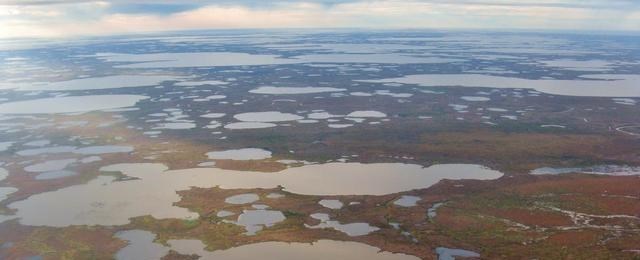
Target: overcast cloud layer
{"type": "Point", "coordinates": [62, 18]}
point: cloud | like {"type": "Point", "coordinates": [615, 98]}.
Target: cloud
{"type": "Point", "coordinates": [59, 18]}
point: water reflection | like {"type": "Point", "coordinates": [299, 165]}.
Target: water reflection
{"type": "Point", "coordinates": [70, 104]}
{"type": "Point", "coordinates": [141, 246]}
{"type": "Point", "coordinates": [152, 191]}
{"type": "Point", "coordinates": [589, 85]}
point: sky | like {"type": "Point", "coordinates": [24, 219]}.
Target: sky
{"type": "Point", "coordinates": [71, 18]}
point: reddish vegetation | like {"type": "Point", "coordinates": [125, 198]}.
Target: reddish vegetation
{"type": "Point", "coordinates": [514, 217]}
{"type": "Point", "coordinates": [532, 217]}
{"type": "Point", "coordinates": [585, 184]}
{"type": "Point", "coordinates": [491, 218]}
{"type": "Point", "coordinates": [575, 238]}
{"type": "Point", "coordinates": [58, 243]}
{"type": "Point", "coordinates": [173, 255]}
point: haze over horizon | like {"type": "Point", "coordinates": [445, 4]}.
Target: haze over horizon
{"type": "Point", "coordinates": [62, 18]}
